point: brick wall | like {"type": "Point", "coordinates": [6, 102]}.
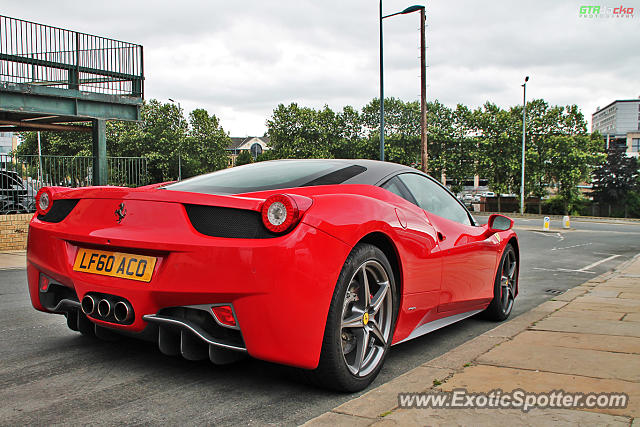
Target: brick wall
{"type": "Point", "coordinates": [13, 231]}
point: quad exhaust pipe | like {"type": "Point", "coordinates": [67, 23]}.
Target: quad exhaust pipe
{"type": "Point", "coordinates": [88, 305]}
{"type": "Point", "coordinates": [109, 308]}
{"type": "Point", "coordinates": [122, 312]}
{"type": "Point", "coordinates": [104, 308]}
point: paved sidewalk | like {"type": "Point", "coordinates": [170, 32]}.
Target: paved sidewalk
{"type": "Point", "coordinates": [585, 340]}
{"type": "Point", "coordinates": [13, 260]}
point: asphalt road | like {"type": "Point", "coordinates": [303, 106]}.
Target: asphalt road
{"type": "Point", "coordinates": [49, 374]}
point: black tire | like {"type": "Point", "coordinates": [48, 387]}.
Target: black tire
{"type": "Point", "coordinates": [334, 371]}
{"type": "Point", "coordinates": [504, 286]}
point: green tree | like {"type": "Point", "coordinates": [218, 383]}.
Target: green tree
{"type": "Point", "coordinates": [56, 143]}
{"type": "Point", "coordinates": [301, 132]}
{"type": "Point", "coordinates": [571, 159]}
{"type": "Point", "coordinates": [616, 179]}
{"type": "Point", "coordinates": [348, 143]}
{"type": "Point", "coordinates": [158, 136]}
{"type": "Point", "coordinates": [267, 155]}
{"type": "Point", "coordinates": [542, 121]}
{"type": "Point", "coordinates": [498, 149]}
{"type": "Point", "coordinates": [452, 150]}
{"type": "Point", "coordinates": [244, 158]}
{"type": "Point", "coordinates": [204, 148]}
{"type": "Point", "coordinates": [401, 131]}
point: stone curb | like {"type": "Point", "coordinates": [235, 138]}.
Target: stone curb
{"type": "Point", "coordinates": [559, 217]}
{"type": "Point", "coordinates": [13, 260]}
{"type": "Point", "coordinates": [375, 405]}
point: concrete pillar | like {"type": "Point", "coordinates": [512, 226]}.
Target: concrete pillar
{"type": "Point", "coordinates": [99, 152]}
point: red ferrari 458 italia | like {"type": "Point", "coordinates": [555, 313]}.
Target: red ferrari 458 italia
{"type": "Point", "coordinates": [317, 264]}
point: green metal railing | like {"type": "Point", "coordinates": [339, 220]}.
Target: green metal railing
{"type": "Point", "coordinates": [22, 176]}
{"type": "Point", "coordinates": [43, 55]}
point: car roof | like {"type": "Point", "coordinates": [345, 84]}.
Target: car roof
{"type": "Point", "coordinates": [375, 171]}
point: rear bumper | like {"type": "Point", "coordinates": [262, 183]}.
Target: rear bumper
{"type": "Point", "coordinates": [280, 288]}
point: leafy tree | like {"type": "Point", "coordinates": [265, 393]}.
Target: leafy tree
{"type": "Point", "coordinates": [267, 155]}
{"type": "Point", "coordinates": [542, 121]}
{"type": "Point", "coordinates": [301, 132]}
{"type": "Point", "coordinates": [452, 150]}
{"type": "Point", "coordinates": [162, 135]}
{"type": "Point", "coordinates": [158, 137]}
{"type": "Point", "coordinates": [616, 179]}
{"type": "Point", "coordinates": [54, 143]}
{"type": "Point", "coordinates": [204, 149]}
{"type": "Point", "coordinates": [401, 131]}
{"type": "Point", "coordinates": [572, 158]}
{"type": "Point", "coordinates": [244, 158]}
{"type": "Point", "coordinates": [497, 147]}
{"type": "Point", "coordinates": [349, 142]}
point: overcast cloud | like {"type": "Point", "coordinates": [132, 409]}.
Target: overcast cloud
{"type": "Point", "coordinates": [240, 59]}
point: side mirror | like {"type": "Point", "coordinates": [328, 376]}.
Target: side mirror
{"type": "Point", "coordinates": [499, 223]}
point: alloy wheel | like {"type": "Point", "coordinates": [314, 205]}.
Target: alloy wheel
{"type": "Point", "coordinates": [508, 281]}
{"type": "Point", "coordinates": [366, 318]}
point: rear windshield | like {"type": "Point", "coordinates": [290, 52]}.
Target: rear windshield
{"type": "Point", "coordinates": [269, 176]}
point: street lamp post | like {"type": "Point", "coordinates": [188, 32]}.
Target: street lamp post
{"type": "Point", "coordinates": [179, 146]}
{"type": "Point", "coordinates": [423, 91]}
{"type": "Point", "coordinates": [524, 120]}
{"type": "Point", "coordinates": [423, 85]}
{"type": "Point", "coordinates": [381, 92]}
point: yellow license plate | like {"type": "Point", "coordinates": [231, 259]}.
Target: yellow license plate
{"type": "Point", "coordinates": [115, 264]}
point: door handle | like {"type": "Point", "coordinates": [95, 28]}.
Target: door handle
{"type": "Point", "coordinates": [441, 236]}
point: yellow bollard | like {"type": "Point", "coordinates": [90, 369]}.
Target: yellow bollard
{"type": "Point", "coordinates": [545, 226]}
{"type": "Point", "coordinates": [566, 222]}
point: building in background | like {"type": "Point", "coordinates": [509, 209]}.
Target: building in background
{"type": "Point", "coordinates": [619, 123]}
{"type": "Point", "coordinates": [254, 144]}
{"type": "Point", "coordinates": [8, 142]}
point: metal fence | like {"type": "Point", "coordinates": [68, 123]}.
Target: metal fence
{"type": "Point", "coordinates": [49, 56]}
{"type": "Point", "coordinates": [22, 176]}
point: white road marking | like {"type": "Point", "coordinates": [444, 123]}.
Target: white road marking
{"type": "Point", "coordinates": [598, 263]}
{"type": "Point", "coordinates": [559, 236]}
{"type": "Point", "coordinates": [577, 271]}
{"type": "Point", "coordinates": [570, 247]}
{"type": "Point", "coordinates": [558, 270]}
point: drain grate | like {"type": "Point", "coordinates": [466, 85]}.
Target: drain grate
{"type": "Point", "coordinates": [553, 291]}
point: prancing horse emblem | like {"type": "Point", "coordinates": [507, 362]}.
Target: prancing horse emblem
{"type": "Point", "coordinates": [121, 212]}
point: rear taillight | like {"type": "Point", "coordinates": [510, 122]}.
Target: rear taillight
{"type": "Point", "coordinates": [44, 200]}
{"type": "Point", "coordinates": [280, 213]}
{"type": "Point", "coordinates": [224, 315]}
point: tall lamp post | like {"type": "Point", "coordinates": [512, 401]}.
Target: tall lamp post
{"type": "Point", "coordinates": [423, 80]}
{"type": "Point", "coordinates": [179, 146]}
{"type": "Point", "coordinates": [524, 121]}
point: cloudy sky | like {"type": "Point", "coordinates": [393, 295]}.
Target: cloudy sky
{"type": "Point", "coordinates": [240, 59]}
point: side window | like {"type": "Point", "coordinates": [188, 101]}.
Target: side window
{"type": "Point", "coordinates": [395, 186]}
{"type": "Point", "coordinates": [433, 198]}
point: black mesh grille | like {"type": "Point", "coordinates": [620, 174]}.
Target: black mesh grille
{"type": "Point", "coordinates": [216, 221]}
{"type": "Point", "coordinates": [59, 210]}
